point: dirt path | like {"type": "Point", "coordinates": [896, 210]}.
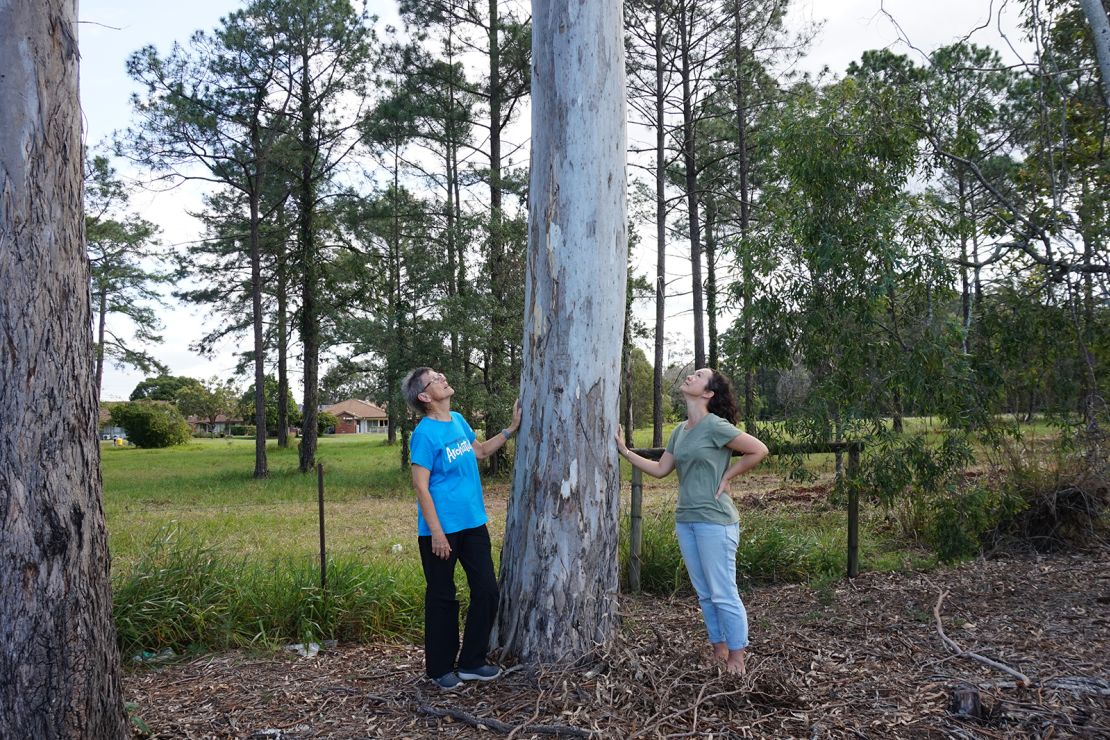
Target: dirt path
{"type": "Point", "coordinates": [865, 660]}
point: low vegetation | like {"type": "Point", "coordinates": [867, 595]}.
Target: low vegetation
{"type": "Point", "coordinates": [205, 557]}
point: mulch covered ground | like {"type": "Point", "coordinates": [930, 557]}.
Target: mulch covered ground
{"type": "Point", "coordinates": [866, 660]}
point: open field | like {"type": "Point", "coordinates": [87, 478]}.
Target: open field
{"type": "Point", "coordinates": [206, 558]}
{"type": "Point", "coordinates": [204, 490]}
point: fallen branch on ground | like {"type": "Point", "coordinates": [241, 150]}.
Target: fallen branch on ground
{"type": "Point", "coordinates": [1022, 679]}
{"type": "Point", "coordinates": [502, 727]}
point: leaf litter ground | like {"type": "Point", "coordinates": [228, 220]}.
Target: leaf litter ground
{"type": "Point", "coordinates": [865, 659]}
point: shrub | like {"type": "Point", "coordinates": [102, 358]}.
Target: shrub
{"type": "Point", "coordinates": [963, 518]}
{"type": "Point", "coordinates": [243, 430]}
{"type": "Point", "coordinates": [324, 421]}
{"type": "Point", "coordinates": [151, 424]}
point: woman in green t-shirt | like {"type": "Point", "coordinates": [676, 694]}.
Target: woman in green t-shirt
{"type": "Point", "coordinates": [707, 522]}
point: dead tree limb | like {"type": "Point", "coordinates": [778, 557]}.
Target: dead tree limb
{"type": "Point", "coordinates": [1022, 679]}
{"type": "Point", "coordinates": [504, 728]}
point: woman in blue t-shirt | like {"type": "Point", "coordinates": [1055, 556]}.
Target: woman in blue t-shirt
{"type": "Point", "coordinates": [451, 526]}
{"type": "Point", "coordinates": [706, 520]}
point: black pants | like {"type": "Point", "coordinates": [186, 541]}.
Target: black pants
{"type": "Point", "coordinates": [471, 547]}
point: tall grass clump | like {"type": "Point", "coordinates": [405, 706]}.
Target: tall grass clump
{"type": "Point", "coordinates": [662, 570]}
{"type": "Point", "coordinates": [1058, 498]}
{"type": "Point", "coordinates": [773, 549]}
{"type": "Point", "coordinates": [182, 595]}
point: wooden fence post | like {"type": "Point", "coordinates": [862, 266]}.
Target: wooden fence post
{"type": "Point", "coordinates": [853, 510]}
{"type": "Point", "coordinates": [636, 530]}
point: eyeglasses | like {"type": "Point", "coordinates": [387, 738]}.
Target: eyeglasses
{"type": "Point", "coordinates": [436, 377]}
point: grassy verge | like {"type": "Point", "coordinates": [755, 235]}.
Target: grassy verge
{"type": "Point", "coordinates": [205, 557]}
{"type": "Point", "coordinates": [184, 596]}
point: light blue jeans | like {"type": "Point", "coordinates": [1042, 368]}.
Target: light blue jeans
{"type": "Point", "coordinates": [710, 554]}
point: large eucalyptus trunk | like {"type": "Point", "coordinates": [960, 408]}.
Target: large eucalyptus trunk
{"type": "Point", "coordinates": [59, 665]}
{"type": "Point", "coordinates": [1100, 34]}
{"type": "Point", "coordinates": [559, 563]}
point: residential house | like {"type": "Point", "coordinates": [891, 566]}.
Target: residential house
{"type": "Point", "coordinates": [358, 417]}
{"type": "Point", "coordinates": [222, 424]}
{"type": "Point", "coordinates": [107, 429]}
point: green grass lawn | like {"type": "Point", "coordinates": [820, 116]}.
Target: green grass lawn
{"type": "Point", "coordinates": [205, 556]}
{"type": "Point", "coordinates": [206, 489]}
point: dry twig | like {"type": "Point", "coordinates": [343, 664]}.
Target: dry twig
{"type": "Point", "coordinates": [961, 653]}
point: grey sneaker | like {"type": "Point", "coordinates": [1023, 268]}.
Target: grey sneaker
{"type": "Point", "coordinates": [448, 681]}
{"type": "Point", "coordinates": [481, 673]}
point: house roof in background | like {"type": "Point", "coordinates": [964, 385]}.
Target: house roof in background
{"type": "Point", "coordinates": [357, 409]}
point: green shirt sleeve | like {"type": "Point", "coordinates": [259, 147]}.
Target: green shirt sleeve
{"type": "Point", "coordinates": [671, 439]}
{"type": "Point", "coordinates": [721, 433]}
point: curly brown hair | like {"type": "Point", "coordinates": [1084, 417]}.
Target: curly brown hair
{"type": "Point", "coordinates": [723, 403]}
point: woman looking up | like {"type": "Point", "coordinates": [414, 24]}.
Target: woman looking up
{"type": "Point", "coordinates": [451, 527]}
{"type": "Point", "coordinates": [706, 520]}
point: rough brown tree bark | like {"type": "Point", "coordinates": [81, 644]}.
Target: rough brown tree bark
{"type": "Point", "coordinates": [59, 665]}
{"type": "Point", "coordinates": [689, 161]}
{"type": "Point", "coordinates": [282, 274]}
{"type": "Point", "coordinates": [744, 165]}
{"type": "Point", "coordinates": [559, 562]}
{"type": "Point", "coordinates": [310, 283]}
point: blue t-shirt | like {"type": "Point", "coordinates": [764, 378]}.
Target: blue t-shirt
{"type": "Point", "coordinates": [444, 448]}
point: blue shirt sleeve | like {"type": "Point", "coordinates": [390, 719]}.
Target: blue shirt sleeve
{"type": "Point", "coordinates": [421, 449]}
{"type": "Point", "coordinates": [470, 435]}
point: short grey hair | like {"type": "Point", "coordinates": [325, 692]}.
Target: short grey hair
{"type": "Point", "coordinates": [411, 388]}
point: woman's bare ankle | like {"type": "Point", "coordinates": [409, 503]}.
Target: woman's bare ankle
{"type": "Point", "coordinates": [735, 662]}
{"type": "Point", "coordinates": [720, 651]}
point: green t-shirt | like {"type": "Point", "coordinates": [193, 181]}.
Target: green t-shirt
{"type": "Point", "coordinates": [701, 458]}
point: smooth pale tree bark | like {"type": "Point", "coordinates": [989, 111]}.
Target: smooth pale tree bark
{"type": "Point", "coordinates": [59, 665]}
{"type": "Point", "coordinates": [1100, 31]}
{"type": "Point", "coordinates": [559, 562]}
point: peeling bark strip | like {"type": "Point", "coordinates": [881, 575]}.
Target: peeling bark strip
{"type": "Point", "coordinates": [59, 667]}
{"type": "Point", "coordinates": [559, 563]}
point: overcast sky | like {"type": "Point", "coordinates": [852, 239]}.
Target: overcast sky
{"type": "Point", "coordinates": [112, 29]}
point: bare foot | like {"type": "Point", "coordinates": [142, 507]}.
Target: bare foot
{"type": "Point", "coordinates": [720, 651]}
{"type": "Point", "coordinates": [735, 662]}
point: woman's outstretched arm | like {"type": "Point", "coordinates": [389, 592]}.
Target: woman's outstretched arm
{"type": "Point", "coordinates": [658, 469]}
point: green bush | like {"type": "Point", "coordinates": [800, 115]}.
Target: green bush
{"type": "Point", "coordinates": [243, 430]}
{"type": "Point", "coordinates": [960, 519]}
{"type": "Point", "coordinates": [325, 421]}
{"type": "Point", "coordinates": [151, 424]}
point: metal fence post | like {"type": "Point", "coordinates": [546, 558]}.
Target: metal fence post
{"type": "Point", "coordinates": [323, 550]}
